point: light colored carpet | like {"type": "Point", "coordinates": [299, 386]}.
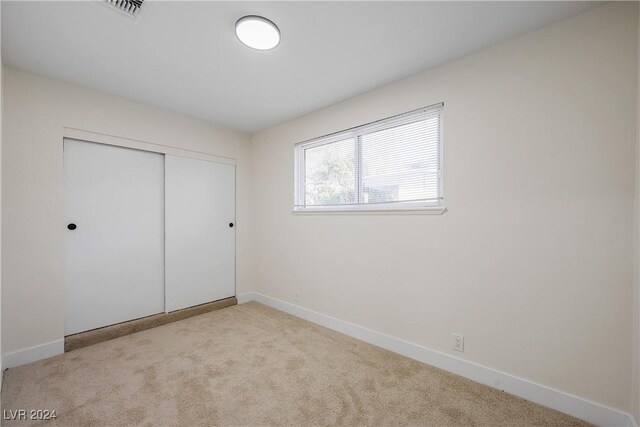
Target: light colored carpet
{"type": "Point", "coordinates": [252, 365]}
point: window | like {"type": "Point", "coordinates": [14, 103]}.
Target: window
{"type": "Point", "coordinates": [391, 164]}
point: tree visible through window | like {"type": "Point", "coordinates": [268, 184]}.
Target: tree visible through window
{"type": "Point", "coordinates": [330, 174]}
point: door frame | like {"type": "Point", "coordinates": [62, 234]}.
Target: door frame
{"type": "Point", "coordinates": [118, 141]}
{"type": "Point", "coordinates": [103, 138]}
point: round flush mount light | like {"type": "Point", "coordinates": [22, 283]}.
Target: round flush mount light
{"type": "Point", "coordinates": [257, 32]}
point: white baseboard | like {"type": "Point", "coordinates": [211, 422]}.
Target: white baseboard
{"type": "Point", "coordinates": [32, 354]}
{"type": "Point", "coordinates": [578, 407]}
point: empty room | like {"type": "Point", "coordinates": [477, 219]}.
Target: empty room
{"type": "Point", "coordinates": [318, 213]}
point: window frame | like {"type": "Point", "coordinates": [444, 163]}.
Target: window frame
{"type": "Point", "coordinates": [422, 206]}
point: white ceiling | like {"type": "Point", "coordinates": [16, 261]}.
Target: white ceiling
{"type": "Point", "coordinates": [184, 57]}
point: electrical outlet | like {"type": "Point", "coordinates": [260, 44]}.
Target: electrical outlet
{"type": "Point", "coordinates": [457, 342]}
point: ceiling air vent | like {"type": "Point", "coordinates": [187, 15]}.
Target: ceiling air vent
{"type": "Point", "coordinates": [130, 8]}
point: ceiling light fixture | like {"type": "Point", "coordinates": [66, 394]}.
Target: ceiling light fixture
{"type": "Point", "coordinates": [257, 32]}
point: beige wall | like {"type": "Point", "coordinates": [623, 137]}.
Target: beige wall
{"type": "Point", "coordinates": [35, 111]}
{"type": "Point", "coordinates": [533, 262]}
{"type": "Point", "coordinates": [1, 371]}
{"type": "Point", "coordinates": [635, 376]}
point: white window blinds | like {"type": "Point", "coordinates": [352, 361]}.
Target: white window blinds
{"type": "Point", "coordinates": [390, 164]}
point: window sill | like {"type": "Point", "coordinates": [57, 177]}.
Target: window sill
{"type": "Point", "coordinates": [425, 210]}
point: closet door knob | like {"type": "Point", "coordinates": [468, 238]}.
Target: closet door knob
{"type": "Point", "coordinates": [71, 226]}
{"type": "Point", "coordinates": [231, 224]}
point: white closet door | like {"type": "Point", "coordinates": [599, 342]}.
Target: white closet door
{"type": "Point", "coordinates": [114, 264]}
{"type": "Point", "coordinates": [200, 231]}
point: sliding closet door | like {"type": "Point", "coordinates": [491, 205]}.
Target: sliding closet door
{"type": "Point", "coordinates": [200, 231]}
{"type": "Point", "coordinates": [114, 264]}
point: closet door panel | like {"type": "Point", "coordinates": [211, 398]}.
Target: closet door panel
{"type": "Point", "coordinates": [114, 258]}
{"type": "Point", "coordinates": [200, 231]}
